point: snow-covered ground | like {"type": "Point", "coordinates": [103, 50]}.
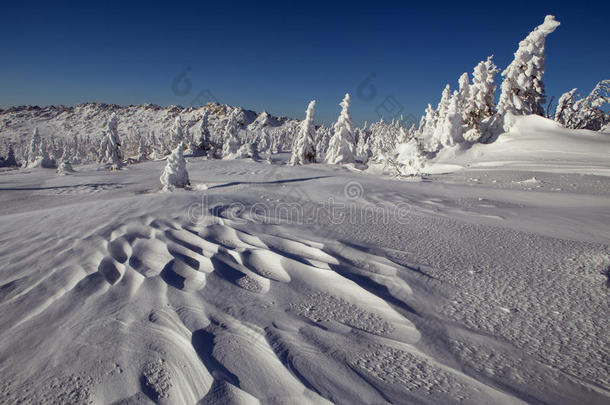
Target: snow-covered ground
{"type": "Point", "coordinates": [486, 282]}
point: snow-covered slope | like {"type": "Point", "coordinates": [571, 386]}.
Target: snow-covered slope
{"type": "Point", "coordinates": [315, 284]}
{"type": "Point", "coordinates": [537, 143]}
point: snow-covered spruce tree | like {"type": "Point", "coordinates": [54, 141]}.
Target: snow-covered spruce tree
{"type": "Point", "coordinates": [304, 151]}
{"type": "Point", "coordinates": [363, 147]}
{"type": "Point", "coordinates": [230, 141]}
{"type": "Point", "coordinates": [450, 128]}
{"type": "Point", "coordinates": [113, 154]}
{"type": "Point", "coordinates": [175, 175]}
{"type": "Point", "coordinates": [409, 160]}
{"type": "Point", "coordinates": [481, 106]}
{"type": "Point", "coordinates": [189, 142]}
{"type": "Point", "coordinates": [585, 113]}
{"type": "Point", "coordinates": [65, 163]}
{"type": "Point", "coordinates": [143, 150]}
{"type": "Point", "coordinates": [434, 142]}
{"type": "Point", "coordinates": [176, 133]}
{"type": "Point", "coordinates": [383, 139]}
{"type": "Point", "coordinates": [427, 122]}
{"type": "Point", "coordinates": [275, 142]}
{"type": "Point", "coordinates": [564, 113]}
{"type": "Point", "coordinates": [248, 150]}
{"type": "Point", "coordinates": [32, 153]}
{"type": "Point", "coordinates": [323, 135]}
{"type": "Point", "coordinates": [10, 160]}
{"type": "Point", "coordinates": [204, 141]}
{"type": "Point", "coordinates": [443, 104]}
{"type": "Point", "coordinates": [464, 90]}
{"type": "Point", "coordinates": [341, 145]}
{"type": "Point", "coordinates": [264, 141]}
{"type": "Point", "coordinates": [42, 157]}
{"type": "Point", "coordinates": [431, 133]}
{"type": "Point", "coordinates": [522, 87]}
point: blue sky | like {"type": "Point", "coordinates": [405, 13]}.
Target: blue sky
{"type": "Point", "coordinates": [277, 56]}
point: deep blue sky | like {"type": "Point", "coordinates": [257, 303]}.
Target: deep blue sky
{"type": "Point", "coordinates": [278, 56]}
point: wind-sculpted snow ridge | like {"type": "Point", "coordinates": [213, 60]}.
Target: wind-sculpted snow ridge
{"type": "Point", "coordinates": [194, 289]}
{"type": "Point", "coordinates": [446, 290]}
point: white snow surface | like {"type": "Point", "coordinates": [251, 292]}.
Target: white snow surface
{"type": "Point", "coordinates": [272, 284]}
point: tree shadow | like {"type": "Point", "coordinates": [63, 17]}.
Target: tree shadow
{"type": "Point", "coordinates": [236, 183]}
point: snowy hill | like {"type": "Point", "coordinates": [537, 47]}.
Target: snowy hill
{"type": "Point", "coordinates": [537, 143]}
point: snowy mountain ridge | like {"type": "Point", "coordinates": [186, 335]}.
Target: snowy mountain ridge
{"type": "Point", "coordinates": [89, 119]}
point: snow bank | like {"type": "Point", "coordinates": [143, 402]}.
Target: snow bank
{"type": "Point", "coordinates": [540, 142]}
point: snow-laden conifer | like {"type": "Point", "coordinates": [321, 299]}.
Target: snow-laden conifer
{"type": "Point", "coordinates": [175, 175]}
{"type": "Point", "coordinates": [341, 145]}
{"type": "Point", "coordinates": [304, 151]}
{"type": "Point", "coordinates": [522, 87]}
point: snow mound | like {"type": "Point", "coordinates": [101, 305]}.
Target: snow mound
{"type": "Point", "coordinates": [534, 141]}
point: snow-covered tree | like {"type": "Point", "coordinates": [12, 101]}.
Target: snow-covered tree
{"type": "Point", "coordinates": [432, 131]}
{"type": "Point", "coordinates": [176, 133]}
{"type": "Point", "coordinates": [443, 104]}
{"type": "Point", "coordinates": [276, 142]}
{"type": "Point", "coordinates": [230, 140]}
{"type": "Point", "coordinates": [10, 160]}
{"type": "Point", "coordinates": [304, 150]}
{"type": "Point", "coordinates": [205, 142]}
{"type": "Point", "coordinates": [264, 141]}
{"type": "Point", "coordinates": [153, 145]}
{"type": "Point", "coordinates": [426, 131]}
{"type": "Point", "coordinates": [522, 87]}
{"type": "Point", "coordinates": [481, 105]}
{"type": "Point", "coordinates": [341, 145]}
{"type": "Point", "coordinates": [484, 89]}
{"type": "Point", "coordinates": [64, 168]}
{"type": "Point", "coordinates": [143, 150]}
{"type": "Point", "coordinates": [383, 139]}
{"type": "Point", "coordinates": [65, 162]}
{"type": "Point", "coordinates": [175, 175]}
{"type": "Point", "coordinates": [42, 157]}
{"type": "Point", "coordinates": [564, 113]}
{"type": "Point", "coordinates": [465, 96]}
{"type": "Point", "coordinates": [34, 148]}
{"type": "Point", "coordinates": [585, 113]}
{"type": "Point", "coordinates": [363, 146]}
{"type": "Point", "coordinates": [323, 135]}
{"type": "Point", "coordinates": [409, 160]}
{"type": "Point", "coordinates": [449, 129]}
{"type": "Point", "coordinates": [248, 150]}
{"type": "Point", "coordinates": [113, 154]}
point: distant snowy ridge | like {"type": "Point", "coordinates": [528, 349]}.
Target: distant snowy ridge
{"type": "Point", "coordinates": [89, 119]}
